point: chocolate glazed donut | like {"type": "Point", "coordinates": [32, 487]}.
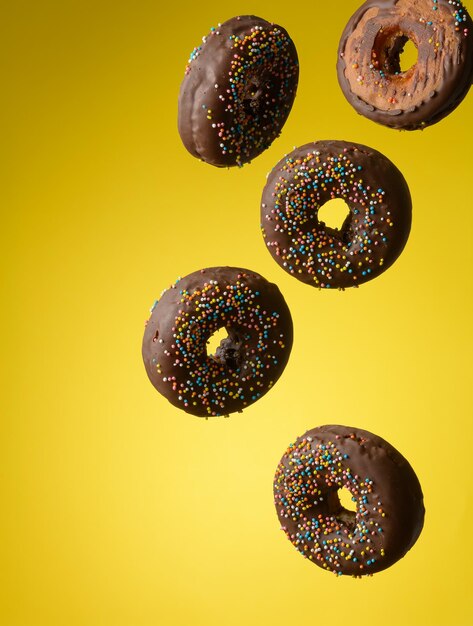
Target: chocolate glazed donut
{"type": "Point", "coordinates": [369, 70]}
{"type": "Point", "coordinates": [389, 512]}
{"type": "Point", "coordinates": [373, 234]}
{"type": "Point", "coordinates": [245, 365]}
{"type": "Point", "coordinates": [238, 90]}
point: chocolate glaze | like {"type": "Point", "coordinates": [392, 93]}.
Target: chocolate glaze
{"type": "Point", "coordinates": [389, 512]}
{"type": "Point", "coordinates": [368, 61]}
{"type": "Point", "coordinates": [245, 365]}
{"type": "Point", "coordinates": [373, 234]}
{"type": "Point", "coordinates": [238, 90]}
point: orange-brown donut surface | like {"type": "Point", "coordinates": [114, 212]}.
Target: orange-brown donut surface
{"type": "Point", "coordinates": [369, 70]}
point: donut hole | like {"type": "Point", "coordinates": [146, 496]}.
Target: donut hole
{"type": "Point", "coordinates": [346, 500]}
{"type": "Point", "coordinates": [394, 53]}
{"type": "Point", "coordinates": [251, 94]}
{"type": "Point", "coordinates": [214, 341]}
{"type": "Point", "coordinates": [408, 56]}
{"type": "Point", "coordinates": [334, 213]}
{"type": "Point", "coordinates": [224, 348]}
{"type": "Point", "coordinates": [347, 507]}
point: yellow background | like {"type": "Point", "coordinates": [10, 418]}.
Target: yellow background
{"type": "Point", "coordinates": [118, 509]}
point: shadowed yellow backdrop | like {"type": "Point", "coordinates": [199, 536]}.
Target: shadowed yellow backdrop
{"type": "Point", "coordinates": [120, 510]}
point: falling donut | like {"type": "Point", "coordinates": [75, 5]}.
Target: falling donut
{"type": "Point", "coordinates": [238, 90]}
{"type": "Point", "coordinates": [389, 513]}
{"type": "Point", "coordinates": [374, 232]}
{"type": "Point", "coordinates": [246, 364]}
{"type": "Point", "coordinates": [369, 69]}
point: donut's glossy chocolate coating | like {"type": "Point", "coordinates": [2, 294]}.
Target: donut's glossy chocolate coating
{"type": "Point", "coordinates": [371, 238]}
{"type": "Point", "coordinates": [368, 64]}
{"type": "Point", "coordinates": [245, 365]}
{"type": "Point", "coordinates": [238, 91]}
{"type": "Point", "coordinates": [389, 512]}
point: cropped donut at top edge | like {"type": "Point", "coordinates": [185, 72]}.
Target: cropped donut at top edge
{"type": "Point", "coordinates": [369, 64]}
{"type": "Point", "coordinates": [374, 232]}
{"type": "Point", "coordinates": [246, 364]}
{"type": "Point", "coordinates": [238, 90]}
{"type": "Point", "coordinates": [389, 504]}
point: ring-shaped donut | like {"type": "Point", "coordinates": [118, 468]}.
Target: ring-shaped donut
{"type": "Point", "coordinates": [387, 495]}
{"type": "Point", "coordinates": [369, 70]}
{"type": "Point", "coordinates": [238, 90]}
{"type": "Point", "coordinates": [374, 232]}
{"type": "Point", "coordinates": [246, 364]}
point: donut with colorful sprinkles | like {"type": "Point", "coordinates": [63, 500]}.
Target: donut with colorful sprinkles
{"type": "Point", "coordinates": [374, 232]}
{"type": "Point", "coordinates": [384, 488]}
{"type": "Point", "coordinates": [247, 362]}
{"type": "Point", "coordinates": [238, 89]}
{"type": "Point", "coordinates": [369, 61]}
